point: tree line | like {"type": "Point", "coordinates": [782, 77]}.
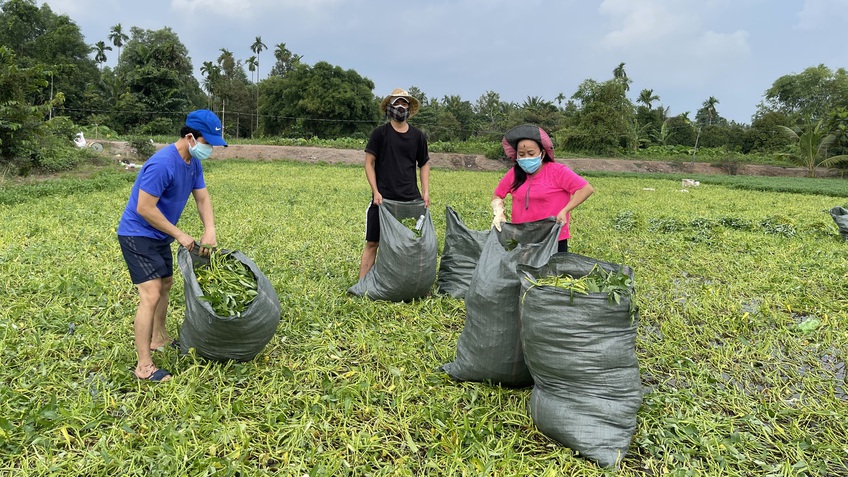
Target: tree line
{"type": "Point", "coordinates": [52, 82]}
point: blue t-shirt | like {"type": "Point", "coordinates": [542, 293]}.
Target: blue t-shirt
{"type": "Point", "coordinates": [166, 176]}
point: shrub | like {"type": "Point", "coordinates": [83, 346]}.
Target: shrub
{"type": "Point", "coordinates": [144, 148]}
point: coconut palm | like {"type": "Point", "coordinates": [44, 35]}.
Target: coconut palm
{"type": "Point", "coordinates": [118, 38]}
{"type": "Point", "coordinates": [646, 97]}
{"type": "Point", "coordinates": [100, 49]}
{"type": "Point", "coordinates": [810, 144]}
{"type": "Point", "coordinates": [709, 107]}
{"type": "Point", "coordinates": [257, 47]}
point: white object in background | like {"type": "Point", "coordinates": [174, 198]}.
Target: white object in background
{"type": "Point", "coordinates": [690, 183]}
{"type": "Point", "coordinates": [79, 140]}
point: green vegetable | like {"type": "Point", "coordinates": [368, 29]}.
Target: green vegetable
{"type": "Point", "coordinates": [412, 224]}
{"type": "Point", "coordinates": [227, 284]}
{"type": "Point", "coordinates": [615, 284]}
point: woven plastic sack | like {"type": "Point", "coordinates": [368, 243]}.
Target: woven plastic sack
{"type": "Point", "coordinates": [405, 268]}
{"type": "Point", "coordinates": [489, 347]}
{"type": "Point", "coordinates": [460, 255]}
{"type": "Point", "coordinates": [224, 338]}
{"type": "Point", "coordinates": [581, 352]}
{"type": "Point", "coordinates": [840, 216]}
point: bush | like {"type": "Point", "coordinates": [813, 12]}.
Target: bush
{"type": "Point", "coordinates": [143, 147]}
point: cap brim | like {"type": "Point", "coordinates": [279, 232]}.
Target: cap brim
{"type": "Point", "coordinates": [215, 140]}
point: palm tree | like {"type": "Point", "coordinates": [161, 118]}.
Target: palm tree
{"type": "Point", "coordinates": [533, 102]}
{"type": "Point", "coordinates": [709, 106]}
{"type": "Point", "coordinates": [118, 38]}
{"type": "Point", "coordinates": [810, 144]}
{"type": "Point", "coordinates": [646, 97]}
{"type": "Point", "coordinates": [257, 47]}
{"type": "Point", "coordinates": [227, 61]}
{"type": "Point", "coordinates": [286, 60]}
{"type": "Point", "coordinates": [211, 73]}
{"type": "Point", "coordinates": [100, 56]}
{"type": "Point", "coordinates": [252, 64]}
{"type": "Point", "coordinates": [559, 99]}
{"type": "Point", "coordinates": [621, 75]}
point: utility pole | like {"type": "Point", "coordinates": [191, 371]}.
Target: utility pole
{"type": "Point", "coordinates": [695, 150]}
{"type": "Point", "coordinates": [50, 115]}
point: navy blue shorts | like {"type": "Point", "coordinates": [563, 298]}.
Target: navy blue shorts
{"type": "Point", "coordinates": [147, 258]}
{"type": "Point", "coordinates": [372, 224]}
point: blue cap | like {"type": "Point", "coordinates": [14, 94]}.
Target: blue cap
{"type": "Point", "coordinates": [208, 124]}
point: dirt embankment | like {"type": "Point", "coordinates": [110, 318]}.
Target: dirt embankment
{"type": "Point", "coordinates": [120, 150]}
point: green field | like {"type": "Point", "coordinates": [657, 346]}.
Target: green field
{"type": "Point", "coordinates": [743, 299]}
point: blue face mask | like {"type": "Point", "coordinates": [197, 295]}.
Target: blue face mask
{"type": "Point", "coordinates": [200, 151]}
{"type": "Point", "coordinates": [530, 164]}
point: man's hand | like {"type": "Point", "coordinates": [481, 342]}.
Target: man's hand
{"type": "Point", "coordinates": [426, 198]}
{"type": "Point", "coordinates": [207, 242]}
{"type": "Point", "coordinates": [378, 199]}
{"type": "Point", "coordinates": [186, 241]}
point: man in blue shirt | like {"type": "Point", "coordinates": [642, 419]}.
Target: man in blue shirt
{"type": "Point", "coordinates": [148, 226]}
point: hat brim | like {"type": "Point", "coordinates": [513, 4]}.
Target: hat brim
{"type": "Point", "coordinates": [215, 140]}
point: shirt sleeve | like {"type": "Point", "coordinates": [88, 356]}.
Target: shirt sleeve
{"type": "Point", "coordinates": [375, 142]}
{"type": "Point", "coordinates": [155, 178]}
{"type": "Point", "coordinates": [504, 185]}
{"type": "Point", "coordinates": [569, 180]}
{"type": "Point", "coordinates": [423, 153]}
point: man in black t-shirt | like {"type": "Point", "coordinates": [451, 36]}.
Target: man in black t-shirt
{"type": "Point", "coordinates": [393, 152]}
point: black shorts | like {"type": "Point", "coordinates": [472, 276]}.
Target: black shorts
{"type": "Point", "coordinates": [147, 258]}
{"type": "Point", "coordinates": [372, 223]}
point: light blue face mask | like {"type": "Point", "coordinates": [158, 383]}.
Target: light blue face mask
{"type": "Point", "coordinates": [530, 164]}
{"type": "Point", "coordinates": [200, 151]}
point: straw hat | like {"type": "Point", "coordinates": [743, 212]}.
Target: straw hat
{"type": "Point", "coordinates": [526, 131]}
{"type": "Point", "coordinates": [414, 105]}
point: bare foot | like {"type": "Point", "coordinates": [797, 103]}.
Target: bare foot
{"type": "Point", "coordinates": [152, 373]}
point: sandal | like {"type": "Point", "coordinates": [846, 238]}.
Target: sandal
{"type": "Point", "coordinates": [156, 376]}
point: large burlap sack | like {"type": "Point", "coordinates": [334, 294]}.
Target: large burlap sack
{"type": "Point", "coordinates": [461, 253]}
{"type": "Point", "coordinates": [840, 216]}
{"type": "Point", "coordinates": [223, 338]}
{"type": "Point", "coordinates": [489, 348]}
{"type": "Point", "coordinates": [406, 264]}
{"type": "Point", "coordinates": [581, 352]}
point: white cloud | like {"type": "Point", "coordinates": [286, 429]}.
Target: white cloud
{"type": "Point", "coordinates": [817, 14]}
{"type": "Point", "coordinates": [639, 22]}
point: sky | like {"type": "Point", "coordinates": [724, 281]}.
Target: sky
{"type": "Point", "coordinates": [684, 50]}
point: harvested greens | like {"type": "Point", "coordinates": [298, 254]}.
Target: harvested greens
{"type": "Point", "coordinates": [615, 284]}
{"type": "Point", "coordinates": [227, 284]}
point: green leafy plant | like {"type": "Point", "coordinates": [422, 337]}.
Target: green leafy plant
{"type": "Point", "coordinates": [810, 145]}
{"type": "Point", "coordinates": [227, 284]}
{"type": "Point", "coordinates": [412, 224]}
{"type": "Point", "coordinates": [616, 284]}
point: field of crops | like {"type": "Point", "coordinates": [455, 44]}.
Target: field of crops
{"type": "Point", "coordinates": [742, 295]}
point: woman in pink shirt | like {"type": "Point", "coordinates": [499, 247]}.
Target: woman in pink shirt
{"type": "Point", "coordinates": [540, 187]}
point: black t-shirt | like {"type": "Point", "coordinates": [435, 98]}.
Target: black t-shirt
{"type": "Point", "coordinates": [397, 156]}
